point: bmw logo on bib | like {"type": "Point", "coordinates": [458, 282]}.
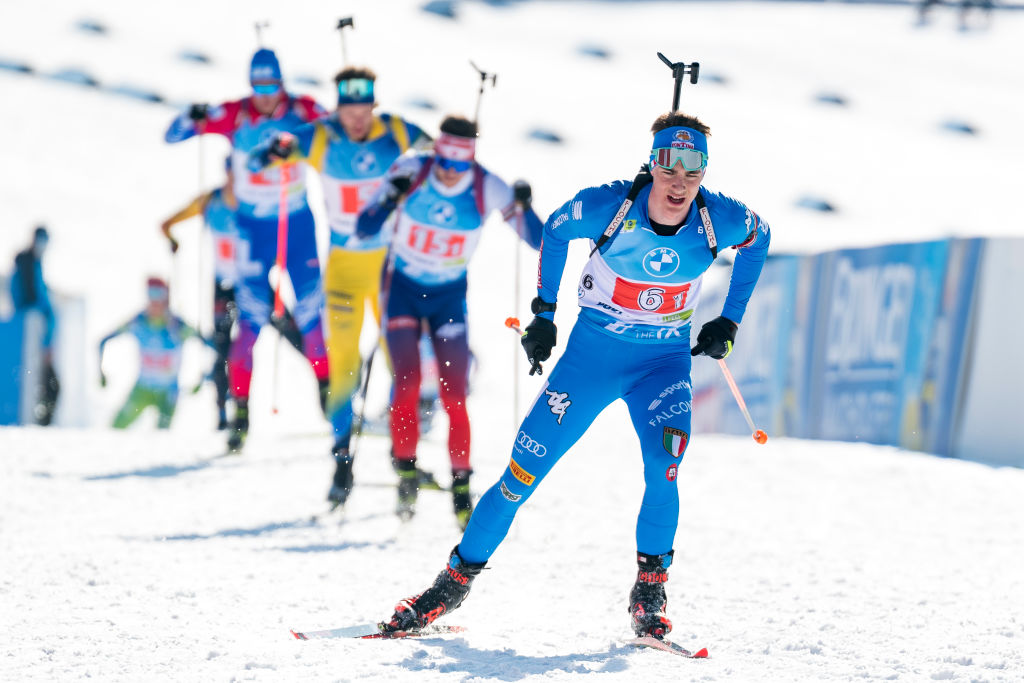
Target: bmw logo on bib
{"type": "Point", "coordinates": [442, 213]}
{"type": "Point", "coordinates": [661, 262]}
{"type": "Point", "coordinates": [365, 163]}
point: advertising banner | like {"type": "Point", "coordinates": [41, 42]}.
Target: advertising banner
{"type": "Point", "coordinates": [760, 359]}
{"type": "Point", "coordinates": [876, 311]}
{"type": "Point", "coordinates": [943, 390]}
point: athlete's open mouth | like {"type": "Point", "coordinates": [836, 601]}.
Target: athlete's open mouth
{"type": "Point", "coordinates": [673, 199]}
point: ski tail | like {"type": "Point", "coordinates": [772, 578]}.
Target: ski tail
{"type": "Point", "coordinates": [371, 632]}
{"type": "Point", "coordinates": [668, 646]}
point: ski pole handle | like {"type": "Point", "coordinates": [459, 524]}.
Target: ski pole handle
{"type": "Point", "coordinates": [758, 434]}
{"type": "Point", "coordinates": [342, 23]}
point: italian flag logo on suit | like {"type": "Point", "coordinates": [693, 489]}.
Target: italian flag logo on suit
{"type": "Point", "coordinates": [674, 441]}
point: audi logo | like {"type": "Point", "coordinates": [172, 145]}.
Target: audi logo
{"type": "Point", "coordinates": [528, 444]}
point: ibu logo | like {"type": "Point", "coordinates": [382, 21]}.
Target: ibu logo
{"type": "Point", "coordinates": [661, 262]}
{"type": "Point", "coordinates": [442, 213]}
{"type": "Point", "coordinates": [365, 163]}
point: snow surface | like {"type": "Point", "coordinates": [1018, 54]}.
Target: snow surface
{"type": "Point", "coordinates": [134, 556]}
{"type": "Point", "coordinates": [141, 556]}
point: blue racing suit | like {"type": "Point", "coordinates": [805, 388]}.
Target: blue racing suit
{"type": "Point", "coordinates": [631, 341]}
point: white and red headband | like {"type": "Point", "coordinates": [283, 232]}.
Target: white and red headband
{"type": "Point", "coordinates": [455, 147]}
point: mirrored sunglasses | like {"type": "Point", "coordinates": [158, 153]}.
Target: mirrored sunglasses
{"type": "Point", "coordinates": [667, 157]}
{"type": "Point", "coordinates": [356, 88]}
{"type": "Point", "coordinates": [452, 165]}
{"type": "Point", "coordinates": [266, 88]}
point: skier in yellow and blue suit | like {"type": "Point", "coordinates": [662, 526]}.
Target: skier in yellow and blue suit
{"type": "Point", "coordinates": [352, 150]}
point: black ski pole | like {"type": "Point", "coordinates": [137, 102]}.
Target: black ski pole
{"type": "Point", "coordinates": [679, 71]}
{"type": "Point", "coordinates": [342, 23]}
{"type": "Point", "coordinates": [484, 77]}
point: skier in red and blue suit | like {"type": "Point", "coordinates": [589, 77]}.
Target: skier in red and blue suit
{"type": "Point", "coordinates": [247, 123]}
{"type": "Point", "coordinates": [631, 341]}
{"type": "Point", "coordinates": [439, 202]}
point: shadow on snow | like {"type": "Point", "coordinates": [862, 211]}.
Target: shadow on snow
{"type": "Point", "coordinates": [155, 471]}
{"type": "Point", "coordinates": [505, 665]}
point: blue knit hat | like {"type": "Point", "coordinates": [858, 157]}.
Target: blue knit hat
{"type": "Point", "coordinates": [265, 67]}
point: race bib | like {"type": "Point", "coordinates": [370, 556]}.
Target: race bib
{"type": "Point", "coordinates": [640, 296]}
{"type": "Point", "coordinates": [345, 199]}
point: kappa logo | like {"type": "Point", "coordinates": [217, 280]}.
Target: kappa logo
{"type": "Point", "coordinates": [509, 496]}
{"type": "Point", "coordinates": [674, 440]}
{"type": "Point", "coordinates": [661, 262]}
{"type": "Point", "coordinates": [526, 443]}
{"type": "Point", "coordinates": [519, 473]}
{"type": "Point", "coordinates": [558, 403]}
{"type": "Point", "coordinates": [442, 213]}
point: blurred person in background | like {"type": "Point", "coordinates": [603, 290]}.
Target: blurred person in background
{"type": "Point", "coordinates": [351, 149]}
{"type": "Point", "coordinates": [160, 335]}
{"type": "Point", "coordinates": [247, 122]}
{"type": "Point", "coordinates": [218, 208]}
{"type": "Point", "coordinates": [435, 205]}
{"type": "Point", "coordinates": [30, 293]}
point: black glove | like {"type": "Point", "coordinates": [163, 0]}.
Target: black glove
{"type": "Point", "coordinates": [399, 186]}
{"type": "Point", "coordinates": [523, 194]}
{"type": "Point", "coordinates": [537, 342]}
{"type": "Point", "coordinates": [174, 245]}
{"type": "Point", "coordinates": [715, 338]}
{"type": "Point", "coordinates": [198, 112]}
{"type": "Point", "coordinates": [282, 147]}
{"type": "Point", "coordinates": [103, 379]}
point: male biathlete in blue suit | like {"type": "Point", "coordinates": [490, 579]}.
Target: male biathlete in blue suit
{"type": "Point", "coordinates": [652, 242]}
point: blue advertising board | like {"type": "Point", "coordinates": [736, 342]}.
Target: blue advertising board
{"type": "Point", "coordinates": [760, 359]}
{"type": "Point", "coordinates": [943, 387]}
{"type": "Point", "coordinates": [875, 312]}
{"type": "Point", "coordinates": [11, 341]}
{"type": "Point", "coordinates": [802, 362]}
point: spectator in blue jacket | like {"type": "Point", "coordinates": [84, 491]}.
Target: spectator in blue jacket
{"type": "Point", "coordinates": [29, 293]}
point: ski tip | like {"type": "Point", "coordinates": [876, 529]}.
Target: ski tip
{"type": "Point", "coordinates": [701, 653]}
{"type": "Point", "coordinates": [299, 636]}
